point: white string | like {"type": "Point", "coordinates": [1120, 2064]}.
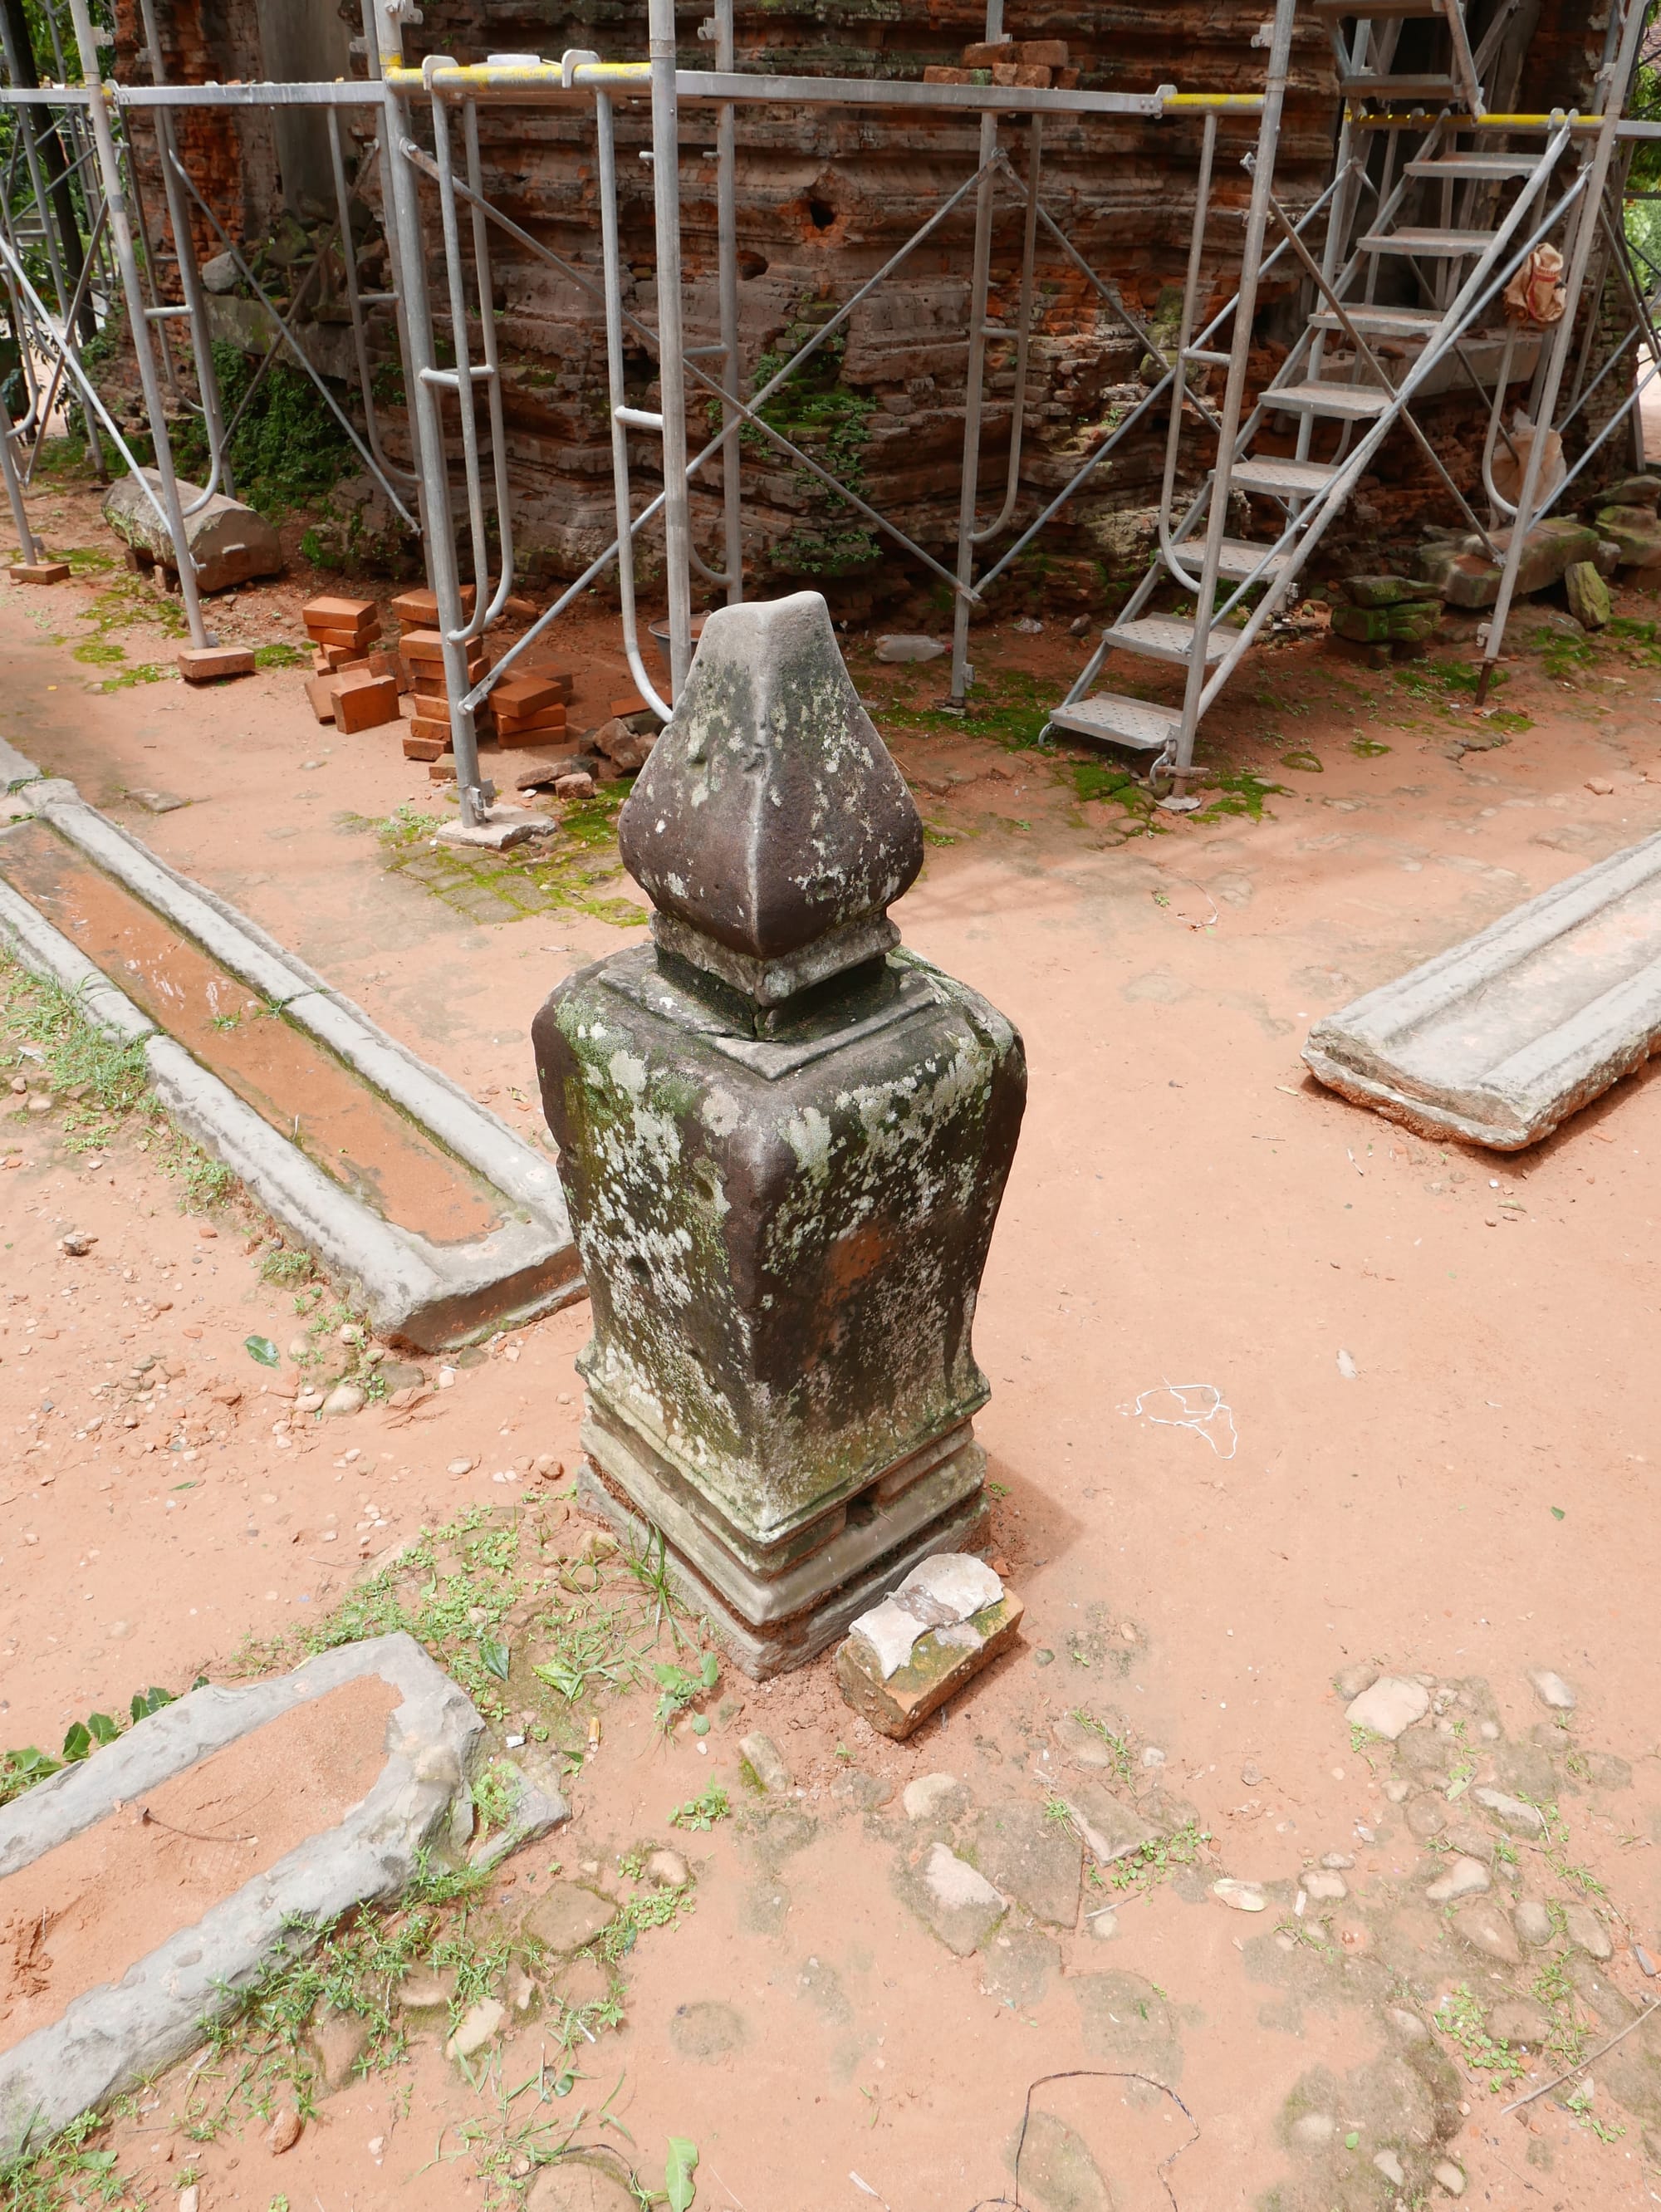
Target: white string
{"type": "Point", "coordinates": [1197, 1418]}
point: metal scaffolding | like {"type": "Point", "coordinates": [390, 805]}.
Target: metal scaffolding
{"type": "Point", "coordinates": [1400, 151]}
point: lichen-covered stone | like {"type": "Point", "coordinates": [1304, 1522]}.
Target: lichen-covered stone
{"type": "Point", "coordinates": [782, 1169]}
{"type": "Point", "coordinates": [770, 824]}
{"type": "Point", "coordinates": [936, 1670]}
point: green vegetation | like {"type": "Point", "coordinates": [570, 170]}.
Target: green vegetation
{"type": "Point", "coordinates": [1124, 1757]}
{"type": "Point", "coordinates": [703, 1812]}
{"type": "Point", "coordinates": [21, 1770]}
{"type": "Point", "coordinates": [570, 869]}
{"type": "Point", "coordinates": [1151, 1863]}
{"type": "Point", "coordinates": [821, 416]}
{"type": "Point", "coordinates": [287, 451]}
{"type": "Point", "coordinates": [1462, 2020]}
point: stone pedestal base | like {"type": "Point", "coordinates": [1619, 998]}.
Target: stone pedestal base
{"type": "Point", "coordinates": [772, 1623]}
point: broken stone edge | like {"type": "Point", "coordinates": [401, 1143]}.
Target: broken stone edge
{"type": "Point", "coordinates": [1530, 1093]}
{"type": "Point", "coordinates": [898, 1706]}
{"type": "Point", "coordinates": [110, 2038]}
{"type": "Point", "coordinates": [434, 1296]}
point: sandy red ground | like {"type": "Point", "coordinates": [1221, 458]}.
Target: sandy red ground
{"type": "Point", "coordinates": [1479, 1499]}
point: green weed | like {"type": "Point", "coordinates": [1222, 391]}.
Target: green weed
{"type": "Point", "coordinates": [1124, 1760]}
{"type": "Point", "coordinates": [703, 1812]}
{"type": "Point", "coordinates": [281, 655]}
{"type": "Point", "coordinates": [21, 1770]}
{"type": "Point", "coordinates": [1151, 1863]}
{"type": "Point", "coordinates": [1461, 2018]}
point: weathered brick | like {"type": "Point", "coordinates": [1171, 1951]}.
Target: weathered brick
{"type": "Point", "coordinates": [205, 664]}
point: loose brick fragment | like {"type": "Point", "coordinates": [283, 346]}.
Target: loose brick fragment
{"type": "Point", "coordinates": [366, 705]}
{"type": "Point", "coordinates": [206, 663]}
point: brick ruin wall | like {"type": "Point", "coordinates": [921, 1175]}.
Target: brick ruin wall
{"type": "Point", "coordinates": [825, 197]}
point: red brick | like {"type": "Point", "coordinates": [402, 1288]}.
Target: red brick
{"type": "Point", "coordinates": [366, 705]}
{"type": "Point", "coordinates": [525, 695]}
{"type": "Point", "coordinates": [1043, 53]}
{"type": "Point", "coordinates": [204, 664]}
{"type": "Point", "coordinates": [424, 748]}
{"type": "Point", "coordinates": [40, 572]}
{"type": "Point", "coordinates": [428, 726]}
{"type": "Point", "coordinates": [622, 708]}
{"type": "Point", "coordinates": [934, 75]}
{"type": "Point", "coordinates": [549, 719]}
{"type": "Point", "coordinates": [986, 56]}
{"type": "Point", "coordinates": [355, 638]}
{"type": "Point", "coordinates": [320, 691]}
{"type": "Point", "coordinates": [419, 610]}
{"type": "Point", "coordinates": [338, 613]}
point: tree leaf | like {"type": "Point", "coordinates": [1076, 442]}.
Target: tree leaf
{"type": "Point", "coordinates": [496, 1657]}
{"type": "Point", "coordinates": [710, 1670]}
{"type": "Point", "coordinates": [262, 1349]}
{"type": "Point", "coordinates": [78, 1742]}
{"type": "Point", "coordinates": [678, 2184]}
{"type": "Point", "coordinates": [104, 1729]}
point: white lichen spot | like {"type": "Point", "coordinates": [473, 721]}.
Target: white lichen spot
{"type": "Point", "coordinates": [808, 1136]}
{"type": "Point", "coordinates": [628, 1071]}
{"type": "Point", "coordinates": [719, 1113]}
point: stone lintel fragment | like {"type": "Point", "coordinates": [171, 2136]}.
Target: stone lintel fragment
{"type": "Point", "coordinates": [938, 1665]}
{"type": "Point", "coordinates": [1498, 1039]}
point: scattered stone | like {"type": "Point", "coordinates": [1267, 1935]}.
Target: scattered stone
{"type": "Point", "coordinates": [901, 649]}
{"type": "Point", "coordinates": [338, 2040]}
{"type": "Point", "coordinates": [1388, 1707]}
{"type": "Point", "coordinates": [762, 1756]}
{"type": "Point", "coordinates": [1635, 531]}
{"type": "Point", "coordinates": [462, 1466]}
{"type": "Point", "coordinates": [1026, 1855]}
{"type": "Point", "coordinates": [1586, 1931]}
{"type": "Point", "coordinates": [188, 2199]}
{"type": "Point", "coordinates": [1487, 1929]}
{"type": "Point", "coordinates": [667, 1869]}
{"type": "Point", "coordinates": [1464, 1878]}
{"type": "Point", "coordinates": [77, 1243]}
{"type": "Point", "coordinates": [1552, 1690]}
{"type": "Point", "coordinates": [1556, 624]}
{"type": "Point", "coordinates": [1152, 1755]}
{"type": "Point", "coordinates": [480, 2025]}
{"type": "Point", "coordinates": [285, 2131]}
{"type": "Point", "coordinates": [1338, 1861]}
{"type": "Point", "coordinates": [1111, 1830]}
{"type": "Point", "coordinates": [1408, 2025]}
{"type": "Point", "coordinates": [1450, 2177]}
{"type": "Point", "coordinates": [1600, 786]}
{"type": "Point", "coordinates": [1056, 2169]}
{"type": "Point", "coordinates": [1350, 1681]}
{"type": "Point", "coordinates": [344, 1398]}
{"type": "Point", "coordinates": [957, 1901]}
{"type": "Point", "coordinates": [1104, 1924]}
{"type": "Point", "coordinates": [1251, 1776]}
{"type": "Point", "coordinates": [1514, 1816]}
{"type": "Point", "coordinates": [1085, 1747]}
{"type": "Point", "coordinates": [1391, 2166]}
{"type": "Point", "coordinates": [569, 1915]}
{"type": "Point", "coordinates": [1588, 595]}
{"type": "Point", "coordinates": [707, 2031]}
{"type": "Point", "coordinates": [928, 1797]}
{"type": "Point", "coordinates": [1314, 2131]}
{"type": "Point", "coordinates": [1517, 2021]}
{"type": "Point", "coordinates": [578, 2183]}
{"type": "Point", "coordinates": [1323, 1888]}
{"type": "Point", "coordinates": [1533, 1924]}
{"type": "Point", "coordinates": [1243, 1896]}
{"type": "Point", "coordinates": [1469, 1841]}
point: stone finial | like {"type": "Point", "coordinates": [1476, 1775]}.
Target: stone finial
{"type": "Point", "coordinates": [770, 826]}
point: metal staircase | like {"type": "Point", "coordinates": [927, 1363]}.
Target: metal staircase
{"type": "Point", "coordinates": [1449, 228]}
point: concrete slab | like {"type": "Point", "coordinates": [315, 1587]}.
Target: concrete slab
{"type": "Point", "coordinates": [112, 2036]}
{"type": "Point", "coordinates": [506, 827]}
{"type": "Point", "coordinates": [433, 1290]}
{"type": "Point", "coordinates": [1498, 1039]}
{"type": "Point", "coordinates": [15, 771]}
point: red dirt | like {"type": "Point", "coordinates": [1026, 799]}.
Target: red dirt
{"type": "Point", "coordinates": [1185, 1207]}
{"type": "Point", "coordinates": [78, 1918]}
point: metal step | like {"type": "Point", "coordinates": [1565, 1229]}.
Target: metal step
{"type": "Point", "coordinates": [1430, 244]}
{"type": "Point", "coordinates": [1349, 403]}
{"type": "Point", "coordinates": [1134, 722]}
{"type": "Point", "coordinates": [1491, 168]}
{"type": "Point", "coordinates": [1376, 11]}
{"type": "Point", "coordinates": [1282, 479]}
{"type": "Point", "coordinates": [1164, 637]}
{"type": "Point", "coordinates": [1381, 322]}
{"type": "Point", "coordinates": [1400, 87]}
{"type": "Point", "coordinates": [1240, 559]}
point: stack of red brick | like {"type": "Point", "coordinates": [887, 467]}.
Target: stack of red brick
{"type": "Point", "coordinates": [1041, 63]}
{"type": "Point", "coordinates": [355, 685]}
